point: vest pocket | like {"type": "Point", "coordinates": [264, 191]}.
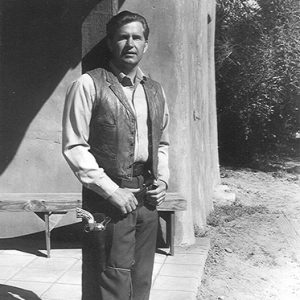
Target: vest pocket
{"type": "Point", "coordinates": [105, 141]}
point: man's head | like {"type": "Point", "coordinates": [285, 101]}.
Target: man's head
{"type": "Point", "coordinates": [123, 18]}
{"type": "Point", "coordinates": [127, 38]}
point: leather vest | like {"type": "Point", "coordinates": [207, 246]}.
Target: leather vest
{"type": "Point", "coordinates": [113, 125]}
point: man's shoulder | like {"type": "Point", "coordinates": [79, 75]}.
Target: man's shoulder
{"type": "Point", "coordinates": [152, 82]}
{"type": "Point", "coordinates": [101, 76]}
{"type": "Point", "coordinates": [98, 72]}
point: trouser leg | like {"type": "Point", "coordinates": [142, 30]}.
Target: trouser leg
{"type": "Point", "coordinates": [115, 280]}
{"type": "Point", "coordinates": [146, 231]}
{"type": "Point", "coordinates": [118, 262]}
{"type": "Point", "coordinates": [93, 263]}
{"type": "Point", "coordinates": [108, 258]}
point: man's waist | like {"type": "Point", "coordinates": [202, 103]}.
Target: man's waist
{"type": "Point", "coordinates": [140, 168]}
{"type": "Point", "coordinates": [141, 181]}
{"type": "Point", "coordinates": [141, 172]}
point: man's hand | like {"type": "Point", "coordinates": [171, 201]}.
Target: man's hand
{"type": "Point", "coordinates": [124, 200]}
{"type": "Point", "coordinates": [158, 195]}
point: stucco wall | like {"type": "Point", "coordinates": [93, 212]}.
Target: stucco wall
{"type": "Point", "coordinates": [180, 56]}
{"type": "Point", "coordinates": [41, 50]}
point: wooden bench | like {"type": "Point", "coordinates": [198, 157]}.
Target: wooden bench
{"type": "Point", "coordinates": [57, 203]}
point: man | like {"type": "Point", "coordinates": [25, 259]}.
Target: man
{"type": "Point", "coordinates": [115, 140]}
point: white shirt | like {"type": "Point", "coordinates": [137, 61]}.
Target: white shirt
{"type": "Point", "coordinates": [76, 120]}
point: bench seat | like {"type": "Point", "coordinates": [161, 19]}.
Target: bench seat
{"type": "Point", "coordinates": [53, 203]}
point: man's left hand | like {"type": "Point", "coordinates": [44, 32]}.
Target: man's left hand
{"type": "Point", "coordinates": [158, 195]}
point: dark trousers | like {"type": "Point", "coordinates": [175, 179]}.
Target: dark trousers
{"type": "Point", "coordinates": [117, 263]}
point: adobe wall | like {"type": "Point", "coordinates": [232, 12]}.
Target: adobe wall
{"type": "Point", "coordinates": [41, 52]}
{"type": "Point", "coordinates": [181, 57]}
{"type": "Point", "coordinates": [39, 60]}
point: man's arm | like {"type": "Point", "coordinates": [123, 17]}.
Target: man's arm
{"type": "Point", "coordinates": [76, 119]}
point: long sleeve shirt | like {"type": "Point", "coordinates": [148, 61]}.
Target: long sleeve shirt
{"type": "Point", "coordinates": [76, 119]}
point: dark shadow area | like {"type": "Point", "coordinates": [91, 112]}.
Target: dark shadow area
{"type": "Point", "coordinates": [66, 237]}
{"type": "Point", "coordinates": [161, 241]}
{"type": "Point", "coordinates": [40, 41]}
{"type": "Point", "coordinates": [98, 57]}
{"type": "Point", "coordinates": [161, 237]}
{"type": "Point", "coordinates": [120, 3]}
{"type": "Point", "coordinates": [8, 292]}
{"type": "Point", "coordinates": [230, 139]}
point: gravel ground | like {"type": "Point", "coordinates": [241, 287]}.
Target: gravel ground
{"type": "Point", "coordinates": [255, 241]}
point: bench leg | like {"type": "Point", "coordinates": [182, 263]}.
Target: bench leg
{"type": "Point", "coordinates": [171, 231]}
{"type": "Point", "coordinates": [47, 234]}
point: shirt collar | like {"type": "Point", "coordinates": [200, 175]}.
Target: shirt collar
{"type": "Point", "coordinates": [125, 80]}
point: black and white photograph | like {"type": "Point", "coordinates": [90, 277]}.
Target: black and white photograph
{"type": "Point", "coordinates": [149, 150]}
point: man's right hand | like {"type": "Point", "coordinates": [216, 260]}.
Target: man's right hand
{"type": "Point", "coordinates": [124, 200]}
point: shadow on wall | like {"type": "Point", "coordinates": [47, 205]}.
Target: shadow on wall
{"type": "Point", "coordinates": [98, 57]}
{"type": "Point", "coordinates": [40, 41]}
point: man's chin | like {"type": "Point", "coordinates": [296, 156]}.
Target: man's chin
{"type": "Point", "coordinates": [130, 62]}
{"type": "Point", "coordinates": [129, 59]}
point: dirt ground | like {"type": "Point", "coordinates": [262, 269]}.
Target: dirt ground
{"type": "Point", "coordinates": [255, 241]}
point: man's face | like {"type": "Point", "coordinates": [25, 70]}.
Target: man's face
{"type": "Point", "coordinates": [128, 45]}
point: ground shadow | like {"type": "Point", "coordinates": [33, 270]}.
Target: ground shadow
{"type": "Point", "coordinates": [8, 292]}
{"type": "Point", "coordinates": [65, 237]}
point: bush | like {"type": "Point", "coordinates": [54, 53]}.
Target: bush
{"type": "Point", "coordinates": [257, 73]}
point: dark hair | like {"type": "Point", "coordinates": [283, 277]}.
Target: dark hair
{"type": "Point", "coordinates": [123, 18]}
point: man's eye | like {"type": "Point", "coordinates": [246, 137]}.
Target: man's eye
{"type": "Point", "coordinates": [121, 38]}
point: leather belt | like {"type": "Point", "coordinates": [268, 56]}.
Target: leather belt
{"type": "Point", "coordinates": [140, 195]}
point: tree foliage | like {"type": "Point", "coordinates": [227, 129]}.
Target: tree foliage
{"type": "Point", "coordinates": [257, 72]}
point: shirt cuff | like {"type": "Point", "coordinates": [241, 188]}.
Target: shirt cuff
{"type": "Point", "coordinates": [104, 186]}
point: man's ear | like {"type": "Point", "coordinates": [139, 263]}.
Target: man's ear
{"type": "Point", "coordinates": [146, 47]}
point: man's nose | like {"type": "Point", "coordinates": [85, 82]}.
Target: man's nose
{"type": "Point", "coordinates": [130, 42]}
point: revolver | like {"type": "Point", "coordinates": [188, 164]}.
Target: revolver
{"type": "Point", "coordinates": [91, 225]}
